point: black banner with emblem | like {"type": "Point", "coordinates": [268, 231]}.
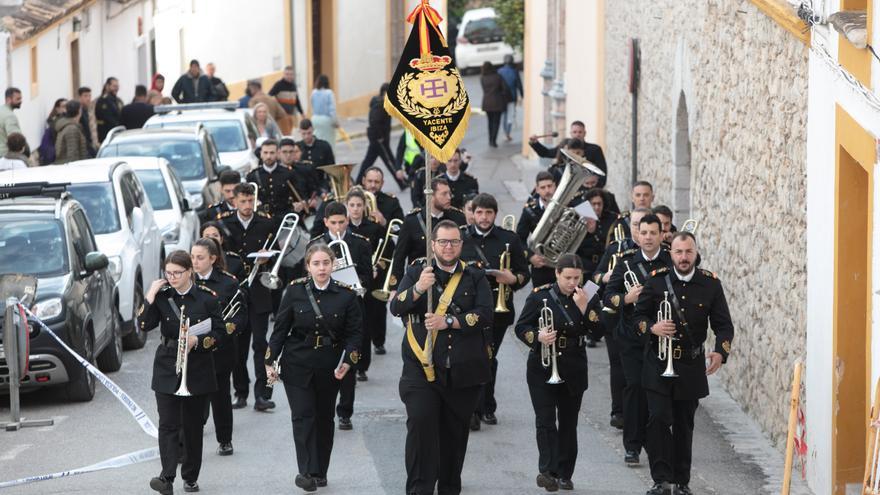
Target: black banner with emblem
{"type": "Point", "coordinates": [426, 92]}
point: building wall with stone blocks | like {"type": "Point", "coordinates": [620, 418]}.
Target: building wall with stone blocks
{"type": "Point", "coordinates": [722, 115]}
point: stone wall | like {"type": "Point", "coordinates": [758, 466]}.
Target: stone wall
{"type": "Point", "coordinates": [726, 78]}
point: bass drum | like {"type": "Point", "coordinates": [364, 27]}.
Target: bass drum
{"type": "Point", "coordinates": [296, 251]}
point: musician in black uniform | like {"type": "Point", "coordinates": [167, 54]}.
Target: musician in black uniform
{"type": "Point", "coordinates": [484, 244]}
{"type": "Point", "coordinates": [417, 179]}
{"type": "Point", "coordinates": [545, 187]}
{"type": "Point", "coordinates": [228, 180]}
{"type": "Point", "coordinates": [441, 387]}
{"type": "Point", "coordinates": [697, 301]}
{"type": "Point", "coordinates": [642, 196]}
{"type": "Point", "coordinates": [631, 344]}
{"type": "Point", "coordinates": [316, 152]}
{"type": "Point", "coordinates": [275, 184]}
{"type": "Point", "coordinates": [557, 405]}
{"type": "Point", "coordinates": [209, 267]}
{"type": "Point", "coordinates": [315, 337]}
{"type": "Point", "coordinates": [411, 241]}
{"type": "Point", "coordinates": [461, 183]}
{"type": "Point", "coordinates": [167, 300]}
{"type": "Point", "coordinates": [577, 131]}
{"type": "Point", "coordinates": [231, 259]}
{"type": "Point", "coordinates": [337, 227]}
{"type": "Point", "coordinates": [664, 213]}
{"type": "Point", "coordinates": [305, 177]}
{"type": "Point", "coordinates": [249, 232]}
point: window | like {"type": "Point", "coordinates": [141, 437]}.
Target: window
{"type": "Point", "coordinates": [99, 203]}
{"type": "Point", "coordinates": [85, 231]}
{"type": "Point", "coordinates": [32, 245]}
{"type": "Point", "coordinates": [129, 200]}
{"type": "Point", "coordinates": [228, 134]}
{"type": "Point", "coordinates": [35, 86]}
{"type": "Point", "coordinates": [178, 188]}
{"type": "Point", "coordinates": [154, 184]}
{"type": "Point", "coordinates": [79, 251]}
{"type": "Point", "coordinates": [184, 156]}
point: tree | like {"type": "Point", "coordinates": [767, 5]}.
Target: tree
{"type": "Point", "coordinates": [511, 20]}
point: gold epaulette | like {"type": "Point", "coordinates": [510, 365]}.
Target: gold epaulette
{"type": "Point", "coordinates": [313, 239]}
{"type": "Point", "coordinates": [419, 261]}
{"type": "Point", "coordinates": [415, 210]}
{"type": "Point", "coordinates": [456, 209]}
{"type": "Point", "coordinates": [361, 236]}
{"type": "Point", "coordinates": [709, 274]}
{"type": "Point", "coordinates": [328, 197]}
{"type": "Point", "coordinates": [225, 214]}
{"type": "Point", "coordinates": [224, 272]}
{"type": "Point", "coordinates": [627, 252]}
{"type": "Point", "coordinates": [263, 214]}
{"type": "Point", "coordinates": [659, 271]}
{"type": "Point", "coordinates": [541, 287]}
{"type": "Point", "coordinates": [233, 254]}
{"type": "Point", "coordinates": [623, 214]}
{"type": "Point", "coordinates": [343, 284]}
{"type": "Point", "coordinates": [206, 289]}
{"type": "Point", "coordinates": [390, 195]}
{"type": "Point", "coordinates": [299, 280]}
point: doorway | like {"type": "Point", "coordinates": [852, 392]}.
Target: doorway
{"type": "Point", "coordinates": [681, 173]}
{"type": "Point", "coordinates": [74, 67]}
{"type": "Point", "coordinates": [323, 48]}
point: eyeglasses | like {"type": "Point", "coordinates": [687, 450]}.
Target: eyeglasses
{"type": "Point", "coordinates": [448, 242]}
{"type": "Point", "coordinates": [175, 274]}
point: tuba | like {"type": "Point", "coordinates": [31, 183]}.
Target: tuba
{"type": "Point", "coordinates": [182, 354]}
{"type": "Point", "coordinates": [664, 344]}
{"type": "Point", "coordinates": [562, 228]}
{"type": "Point", "coordinates": [548, 352]}
{"type": "Point", "coordinates": [340, 178]}
{"type": "Point", "coordinates": [343, 267]}
{"type": "Point", "coordinates": [380, 258]}
{"type": "Point", "coordinates": [503, 264]}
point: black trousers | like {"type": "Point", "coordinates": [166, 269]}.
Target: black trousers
{"type": "Point", "coordinates": [241, 381]}
{"type": "Point", "coordinates": [494, 125]}
{"type": "Point", "coordinates": [437, 429]}
{"type": "Point", "coordinates": [556, 417]}
{"type": "Point", "coordinates": [635, 405]}
{"type": "Point", "coordinates": [487, 403]}
{"type": "Point", "coordinates": [375, 323]}
{"type": "Point", "coordinates": [221, 400]}
{"type": "Point", "coordinates": [259, 324]}
{"type": "Point", "coordinates": [670, 437]}
{"type": "Point", "coordinates": [617, 379]}
{"type": "Point", "coordinates": [180, 414]}
{"type": "Point", "coordinates": [378, 148]}
{"type": "Point", "coordinates": [311, 412]}
{"type": "Point", "coordinates": [346, 387]}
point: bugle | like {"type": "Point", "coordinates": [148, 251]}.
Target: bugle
{"type": "Point", "coordinates": [503, 264]}
{"type": "Point", "coordinates": [664, 344]}
{"type": "Point", "coordinates": [548, 352]}
{"type": "Point", "coordinates": [180, 366]}
{"type": "Point", "coordinates": [271, 279]}
{"type": "Point", "coordinates": [381, 257]}
{"type": "Point", "coordinates": [256, 195]}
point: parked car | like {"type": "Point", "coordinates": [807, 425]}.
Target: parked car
{"type": "Point", "coordinates": [189, 150]}
{"type": "Point", "coordinates": [122, 220]}
{"type": "Point", "coordinates": [234, 129]}
{"type": "Point", "coordinates": [44, 232]}
{"type": "Point", "coordinates": [480, 39]}
{"type": "Point", "coordinates": [177, 222]}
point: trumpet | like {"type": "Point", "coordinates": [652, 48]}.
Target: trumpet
{"type": "Point", "coordinates": [619, 235]}
{"type": "Point", "coordinates": [664, 344]}
{"type": "Point", "coordinates": [343, 267]}
{"type": "Point", "coordinates": [271, 279]}
{"type": "Point", "coordinates": [380, 257]}
{"type": "Point", "coordinates": [182, 354]}
{"type": "Point", "coordinates": [548, 352]}
{"type": "Point", "coordinates": [503, 264]}
{"type": "Point", "coordinates": [630, 281]}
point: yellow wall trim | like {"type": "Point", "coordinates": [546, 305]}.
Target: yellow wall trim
{"type": "Point", "coordinates": [855, 140]}
{"type": "Point", "coordinates": [353, 107]}
{"type": "Point", "coordinates": [785, 16]}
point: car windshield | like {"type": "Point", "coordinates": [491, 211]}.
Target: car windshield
{"type": "Point", "coordinates": [34, 247]}
{"type": "Point", "coordinates": [154, 184]}
{"type": "Point", "coordinates": [184, 156]}
{"type": "Point", "coordinates": [228, 134]}
{"type": "Point", "coordinates": [483, 30]}
{"type": "Point", "coordinates": [100, 205]}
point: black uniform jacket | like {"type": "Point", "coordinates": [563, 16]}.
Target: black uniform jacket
{"type": "Point", "coordinates": [275, 195]}
{"type": "Point", "coordinates": [528, 222]}
{"type": "Point", "coordinates": [388, 205]}
{"type": "Point", "coordinates": [235, 266]}
{"type": "Point", "coordinates": [570, 338]}
{"type": "Point", "coordinates": [615, 291]}
{"type": "Point", "coordinates": [411, 239]}
{"type": "Point", "coordinates": [703, 304]}
{"type": "Point", "coordinates": [245, 241]}
{"type": "Point", "coordinates": [225, 285]}
{"type": "Point", "coordinates": [484, 251]}
{"type": "Point", "coordinates": [216, 210]}
{"type": "Point", "coordinates": [463, 186]}
{"type": "Point", "coordinates": [361, 254]}
{"type": "Point", "coordinates": [311, 345]}
{"type": "Point", "coordinates": [466, 352]}
{"type": "Point", "coordinates": [198, 304]}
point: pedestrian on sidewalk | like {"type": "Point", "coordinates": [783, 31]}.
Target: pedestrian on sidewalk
{"type": "Point", "coordinates": [379, 137]}
{"type": "Point", "coordinates": [284, 90]}
{"type": "Point", "coordinates": [324, 111]}
{"type": "Point", "coordinates": [70, 145]}
{"type": "Point", "coordinates": [135, 114]}
{"type": "Point", "coordinates": [266, 127]}
{"type": "Point", "coordinates": [495, 99]}
{"type": "Point", "coordinates": [14, 158]}
{"type": "Point", "coordinates": [258, 96]}
{"type": "Point", "coordinates": [221, 93]}
{"type": "Point", "coordinates": [158, 83]}
{"type": "Point", "coordinates": [8, 120]}
{"type": "Point", "coordinates": [193, 86]}
{"type": "Point", "coordinates": [87, 119]}
{"type": "Point", "coordinates": [510, 74]}
{"type": "Point", "coordinates": [50, 132]}
{"type": "Point", "coordinates": [108, 109]}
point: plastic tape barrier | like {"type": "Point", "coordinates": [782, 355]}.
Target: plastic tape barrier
{"type": "Point", "coordinates": [144, 455]}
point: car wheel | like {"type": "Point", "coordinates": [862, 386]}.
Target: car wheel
{"type": "Point", "coordinates": [137, 338]}
{"type": "Point", "coordinates": [81, 387]}
{"type": "Point", "coordinates": [110, 358]}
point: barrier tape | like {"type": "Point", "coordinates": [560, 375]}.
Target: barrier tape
{"type": "Point", "coordinates": [139, 456]}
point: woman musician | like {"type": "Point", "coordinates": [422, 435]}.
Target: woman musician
{"type": "Point", "coordinates": [209, 266]}
{"type": "Point", "coordinates": [316, 337]}
{"type": "Point", "coordinates": [181, 398]}
{"type": "Point", "coordinates": [231, 259]}
{"type": "Point", "coordinates": [566, 338]}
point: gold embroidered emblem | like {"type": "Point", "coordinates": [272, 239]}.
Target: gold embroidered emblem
{"type": "Point", "coordinates": [615, 300]}
{"type": "Point", "coordinates": [489, 351]}
{"type": "Point", "coordinates": [354, 356]}
{"type": "Point", "coordinates": [230, 327]}
{"type": "Point", "coordinates": [392, 280]}
{"type": "Point", "coordinates": [268, 353]}
{"type": "Point", "coordinates": [141, 310]}
{"type": "Point", "coordinates": [726, 346]}
{"type": "Point", "coordinates": [593, 316]}
{"type": "Point", "coordinates": [208, 342]}
{"type": "Point", "coordinates": [530, 337]}
{"type": "Point", "coordinates": [471, 319]}
{"type": "Point", "coordinates": [402, 296]}
{"type": "Point", "coordinates": [643, 326]}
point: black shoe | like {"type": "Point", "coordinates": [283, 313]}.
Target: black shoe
{"type": "Point", "coordinates": [240, 402]}
{"type": "Point", "coordinates": [263, 405]}
{"type": "Point", "coordinates": [190, 486]}
{"type": "Point", "coordinates": [270, 403]}
{"type": "Point", "coordinates": [565, 484]}
{"type": "Point", "coordinates": [659, 489]}
{"type": "Point", "coordinates": [616, 421]}
{"type": "Point", "coordinates": [162, 485]}
{"type": "Point", "coordinates": [547, 482]}
{"type": "Point", "coordinates": [321, 482]}
{"type": "Point", "coordinates": [591, 343]}
{"type": "Point", "coordinates": [683, 490]}
{"type": "Point", "coordinates": [489, 419]}
{"type": "Point", "coordinates": [631, 458]}
{"type": "Point", "coordinates": [475, 422]}
{"type": "Point", "coordinates": [225, 448]}
{"type": "Point", "coordinates": [362, 376]}
{"type": "Point", "coordinates": [345, 424]}
{"type": "Point", "coordinates": [306, 482]}
{"type": "Point", "coordinates": [380, 350]}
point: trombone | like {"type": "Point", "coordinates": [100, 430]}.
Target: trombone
{"type": "Point", "coordinates": [664, 344]}
{"type": "Point", "coordinates": [182, 354]}
{"type": "Point", "coordinates": [232, 307]}
{"type": "Point", "coordinates": [380, 258]}
{"type": "Point", "coordinates": [619, 235]}
{"type": "Point", "coordinates": [343, 267]}
{"type": "Point", "coordinates": [504, 264]}
{"type": "Point", "coordinates": [548, 352]}
{"type": "Point", "coordinates": [271, 279]}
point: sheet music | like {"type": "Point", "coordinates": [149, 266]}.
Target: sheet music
{"type": "Point", "coordinates": [586, 210]}
{"type": "Point", "coordinates": [590, 288]}
{"type": "Point", "coordinates": [200, 328]}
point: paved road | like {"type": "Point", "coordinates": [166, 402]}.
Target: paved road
{"type": "Point", "coordinates": [369, 460]}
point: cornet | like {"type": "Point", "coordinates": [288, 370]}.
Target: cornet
{"type": "Point", "coordinates": [503, 264]}
{"type": "Point", "coordinates": [343, 267]}
{"type": "Point", "coordinates": [548, 352]}
{"type": "Point", "coordinates": [380, 257]}
{"type": "Point", "coordinates": [182, 354]}
{"type": "Point", "coordinates": [630, 281]}
{"type": "Point", "coordinates": [664, 344]}
{"type": "Point", "coordinates": [271, 279]}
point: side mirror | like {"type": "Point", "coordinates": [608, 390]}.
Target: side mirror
{"type": "Point", "coordinates": [186, 206]}
{"type": "Point", "coordinates": [137, 221]}
{"type": "Point", "coordinates": [96, 261]}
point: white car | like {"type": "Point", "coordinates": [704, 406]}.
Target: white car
{"type": "Point", "coordinates": [177, 222]}
{"type": "Point", "coordinates": [234, 129]}
{"type": "Point", "coordinates": [122, 220]}
{"type": "Point", "coordinates": [480, 39]}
